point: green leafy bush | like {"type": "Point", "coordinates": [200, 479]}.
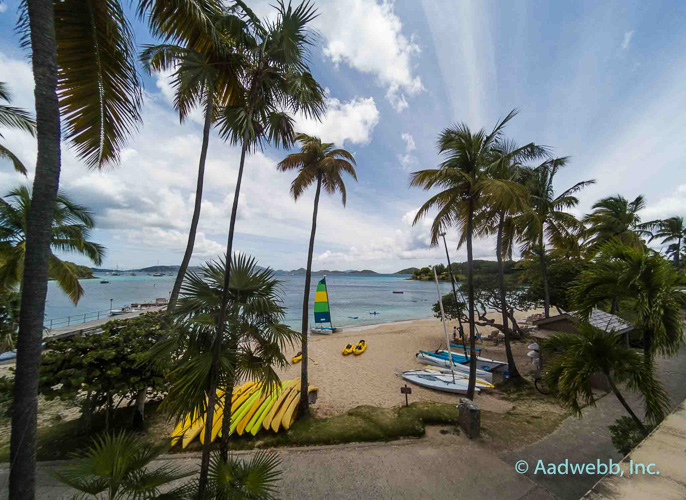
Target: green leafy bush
{"type": "Point", "coordinates": [625, 434]}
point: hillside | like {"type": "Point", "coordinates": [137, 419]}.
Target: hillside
{"type": "Point", "coordinates": [409, 270]}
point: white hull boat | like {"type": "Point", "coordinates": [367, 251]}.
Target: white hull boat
{"type": "Point", "coordinates": [438, 382]}
{"type": "Point", "coordinates": [427, 359]}
{"type": "Point", "coordinates": [446, 374]}
{"type": "Point", "coordinates": [484, 363]}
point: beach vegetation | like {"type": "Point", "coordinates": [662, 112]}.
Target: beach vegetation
{"type": "Point", "coordinates": [561, 273]}
{"type": "Point", "coordinates": [616, 218]}
{"type": "Point", "coordinates": [119, 465]}
{"type": "Point", "coordinates": [467, 187]}
{"type": "Point", "coordinates": [548, 222]}
{"type": "Point", "coordinates": [671, 231]}
{"type": "Point", "coordinates": [9, 318]}
{"type": "Point", "coordinates": [579, 356]}
{"type": "Point", "coordinates": [323, 165]}
{"type": "Point", "coordinates": [16, 118]}
{"type": "Point", "coordinates": [99, 372]}
{"type": "Point", "coordinates": [70, 233]}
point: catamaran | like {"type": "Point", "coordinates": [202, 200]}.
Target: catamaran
{"type": "Point", "coordinates": [322, 311]}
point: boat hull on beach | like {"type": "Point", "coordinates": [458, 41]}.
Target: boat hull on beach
{"type": "Point", "coordinates": [438, 382]}
{"type": "Point", "coordinates": [485, 364]}
{"type": "Point", "coordinates": [324, 331]}
{"type": "Point", "coordinates": [443, 362]}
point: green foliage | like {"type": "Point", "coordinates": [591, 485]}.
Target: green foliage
{"type": "Point", "coordinates": [117, 466]}
{"type": "Point", "coordinates": [6, 396]}
{"type": "Point", "coordinates": [615, 217]}
{"type": "Point", "coordinates": [14, 118]}
{"type": "Point", "coordinates": [9, 318]}
{"type": "Point", "coordinates": [561, 274]}
{"type": "Point", "coordinates": [578, 356]}
{"type": "Point", "coordinates": [626, 435]}
{"type": "Point", "coordinates": [71, 227]}
{"type": "Point", "coordinates": [105, 363]}
{"type": "Point", "coordinates": [481, 267]}
{"type": "Point", "coordinates": [452, 309]}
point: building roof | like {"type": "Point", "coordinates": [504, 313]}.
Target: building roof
{"type": "Point", "coordinates": [600, 319]}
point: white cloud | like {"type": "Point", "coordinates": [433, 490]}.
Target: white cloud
{"type": "Point", "coordinates": [352, 121]}
{"type": "Point", "coordinates": [407, 162]}
{"type": "Point", "coordinates": [409, 142]}
{"type": "Point", "coordinates": [668, 206]}
{"type": "Point", "coordinates": [367, 36]}
{"type": "Point", "coordinates": [3, 7]}
{"type": "Point", "coordinates": [627, 39]}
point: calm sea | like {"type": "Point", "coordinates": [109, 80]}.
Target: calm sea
{"type": "Point", "coordinates": [352, 297]}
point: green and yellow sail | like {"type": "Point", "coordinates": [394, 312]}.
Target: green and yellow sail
{"type": "Point", "coordinates": [322, 311]}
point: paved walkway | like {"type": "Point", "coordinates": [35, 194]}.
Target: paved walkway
{"type": "Point", "coordinates": [439, 466]}
{"type": "Point", "coordinates": [587, 439]}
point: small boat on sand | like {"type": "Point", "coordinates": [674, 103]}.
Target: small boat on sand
{"type": "Point", "coordinates": [482, 363]}
{"type": "Point", "coordinates": [438, 382]}
{"type": "Point", "coordinates": [429, 358]}
{"type": "Point", "coordinates": [322, 311]}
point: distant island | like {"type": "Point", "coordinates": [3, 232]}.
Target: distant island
{"type": "Point", "coordinates": [409, 270]}
{"type": "Point", "coordinates": [480, 267]}
{"type": "Point", "coordinates": [302, 271]}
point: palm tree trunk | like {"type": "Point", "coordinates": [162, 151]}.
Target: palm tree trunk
{"type": "Point", "coordinates": [677, 257]}
{"type": "Point", "coordinates": [511, 366]}
{"type": "Point", "coordinates": [139, 410]}
{"type": "Point", "coordinates": [228, 399]}
{"type": "Point", "coordinates": [38, 237]}
{"type": "Point", "coordinates": [470, 299]}
{"type": "Point", "coordinates": [205, 461]}
{"type": "Point", "coordinates": [544, 278]}
{"type": "Point", "coordinates": [626, 406]}
{"type": "Point", "coordinates": [196, 210]}
{"type": "Point", "coordinates": [304, 382]}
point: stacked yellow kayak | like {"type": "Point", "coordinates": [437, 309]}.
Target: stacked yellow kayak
{"type": "Point", "coordinates": [253, 408]}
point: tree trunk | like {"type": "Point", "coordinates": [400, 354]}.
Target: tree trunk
{"type": "Point", "coordinates": [626, 406]}
{"type": "Point", "coordinates": [470, 299]}
{"type": "Point", "coordinates": [87, 413]}
{"type": "Point", "coordinates": [139, 410]}
{"type": "Point", "coordinates": [196, 209]}
{"type": "Point", "coordinates": [677, 257]}
{"type": "Point", "coordinates": [108, 411]}
{"type": "Point", "coordinates": [209, 417]}
{"type": "Point", "coordinates": [38, 236]}
{"type": "Point", "coordinates": [228, 400]}
{"type": "Point", "coordinates": [511, 367]}
{"type": "Point", "coordinates": [648, 348]}
{"type": "Point", "coordinates": [544, 278]}
{"type": "Point", "coordinates": [304, 382]}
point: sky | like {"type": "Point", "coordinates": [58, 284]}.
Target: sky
{"type": "Point", "coordinates": [601, 82]}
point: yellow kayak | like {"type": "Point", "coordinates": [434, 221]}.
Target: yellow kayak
{"type": "Point", "coordinates": [348, 349]}
{"type": "Point", "coordinates": [276, 421]}
{"type": "Point", "coordinates": [297, 358]}
{"type": "Point", "coordinates": [241, 412]}
{"type": "Point", "coordinates": [288, 388]}
{"type": "Point", "coordinates": [183, 426]}
{"type": "Point", "coordinates": [243, 397]}
{"type": "Point", "coordinates": [240, 428]}
{"type": "Point", "coordinates": [292, 411]}
{"type": "Point", "coordinates": [255, 423]}
{"type": "Point", "coordinates": [360, 347]}
{"type": "Point", "coordinates": [196, 427]}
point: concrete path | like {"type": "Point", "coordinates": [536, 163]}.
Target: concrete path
{"type": "Point", "coordinates": [587, 439]}
{"type": "Point", "coordinates": [439, 466]}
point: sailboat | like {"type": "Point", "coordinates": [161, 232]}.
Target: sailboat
{"type": "Point", "coordinates": [322, 311]}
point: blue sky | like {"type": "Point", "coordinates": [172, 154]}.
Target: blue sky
{"type": "Point", "coordinates": [602, 82]}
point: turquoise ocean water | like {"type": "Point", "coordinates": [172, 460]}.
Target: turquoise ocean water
{"type": "Point", "coordinates": [350, 296]}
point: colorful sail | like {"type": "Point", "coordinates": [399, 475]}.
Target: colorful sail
{"type": "Point", "coordinates": [322, 313]}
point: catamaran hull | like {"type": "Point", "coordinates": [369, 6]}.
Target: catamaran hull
{"type": "Point", "coordinates": [324, 331]}
{"type": "Point", "coordinates": [428, 381]}
{"type": "Point", "coordinates": [428, 359]}
{"type": "Point", "coordinates": [482, 363]}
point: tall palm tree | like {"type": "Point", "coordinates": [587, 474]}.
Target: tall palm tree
{"type": "Point", "coordinates": [12, 117]}
{"type": "Point", "coordinates": [648, 282]}
{"type": "Point", "coordinates": [591, 350]}
{"type": "Point", "coordinates": [276, 83]}
{"type": "Point", "coordinates": [207, 79]}
{"type": "Point", "coordinates": [321, 164]}
{"type": "Point", "coordinates": [499, 219]}
{"type": "Point", "coordinates": [467, 188]}
{"type": "Point", "coordinates": [673, 231]}
{"type": "Point", "coordinates": [99, 101]}
{"type": "Point", "coordinates": [117, 466]}
{"type": "Point", "coordinates": [616, 217]}
{"type": "Point", "coordinates": [70, 231]}
{"type": "Point", "coordinates": [253, 340]}
{"type": "Point", "coordinates": [548, 218]}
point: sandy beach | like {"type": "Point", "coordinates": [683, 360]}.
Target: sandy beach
{"type": "Point", "coordinates": [373, 378]}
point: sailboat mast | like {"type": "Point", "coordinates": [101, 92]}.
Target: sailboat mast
{"type": "Point", "coordinates": [445, 328]}
{"type": "Point", "coordinates": [328, 303]}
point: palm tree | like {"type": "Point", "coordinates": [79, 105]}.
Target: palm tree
{"type": "Point", "coordinates": [616, 217]}
{"type": "Point", "coordinates": [591, 350]}
{"type": "Point", "coordinates": [276, 82]}
{"type": "Point", "coordinates": [70, 231]}
{"type": "Point", "coordinates": [99, 102]}
{"type": "Point", "coordinates": [467, 188]}
{"type": "Point", "coordinates": [506, 167]}
{"type": "Point", "coordinates": [235, 478]}
{"type": "Point", "coordinates": [207, 79]}
{"type": "Point", "coordinates": [14, 118]}
{"type": "Point", "coordinates": [650, 284]}
{"type": "Point", "coordinates": [548, 218]}
{"type": "Point", "coordinates": [673, 231]}
{"type": "Point", "coordinates": [117, 466]}
{"type": "Point", "coordinates": [317, 162]}
{"type": "Point", "coordinates": [252, 343]}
